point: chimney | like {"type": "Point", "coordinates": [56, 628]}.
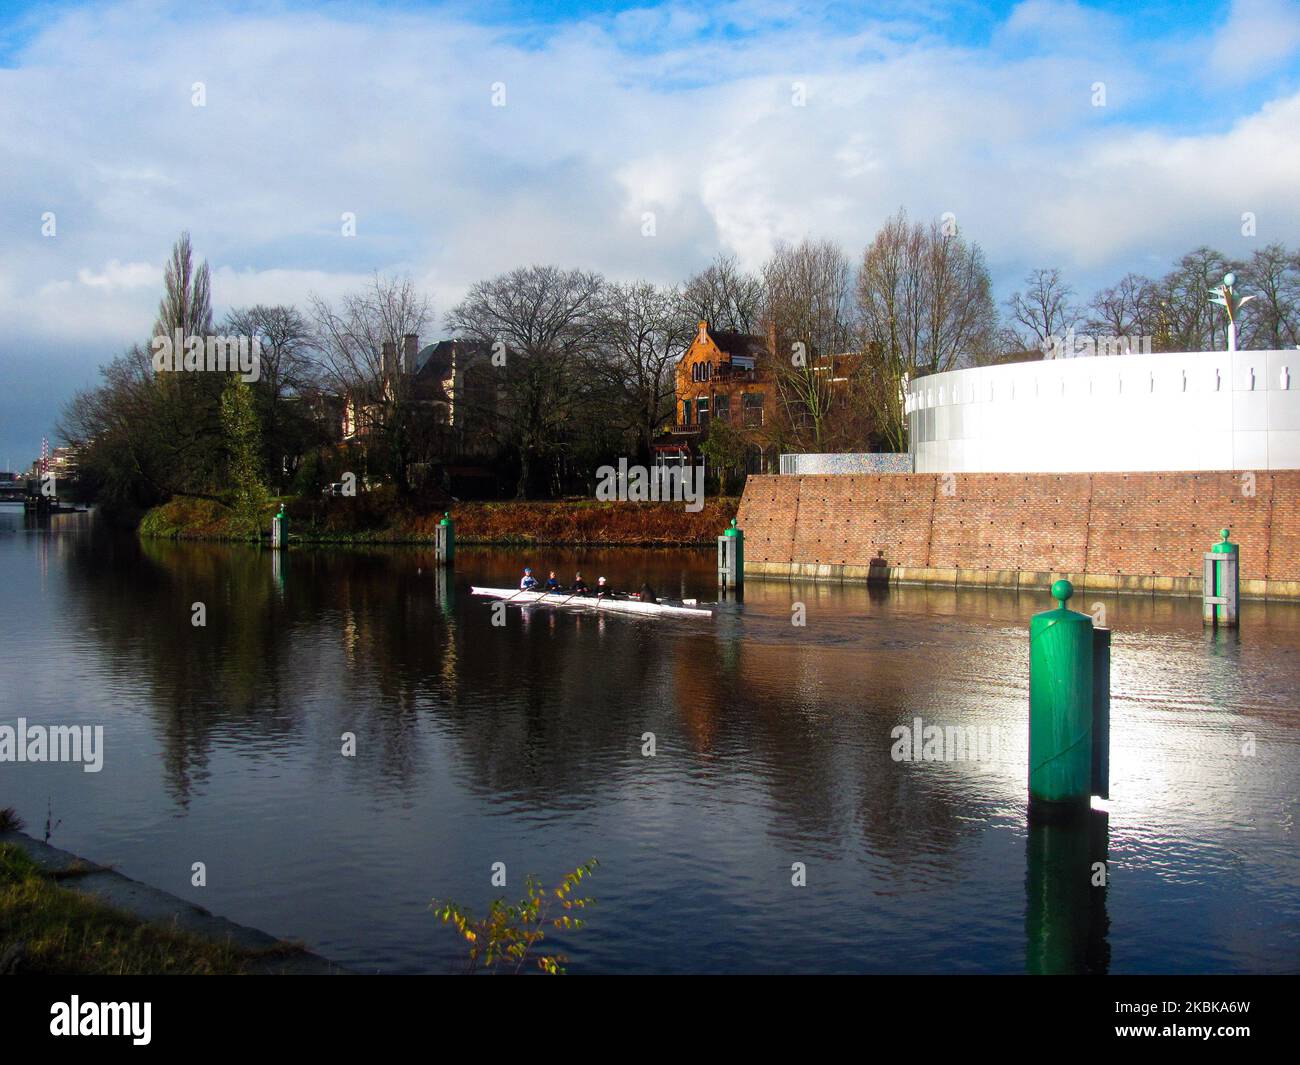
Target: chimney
{"type": "Point", "coordinates": [388, 360]}
{"type": "Point", "coordinates": [410, 349]}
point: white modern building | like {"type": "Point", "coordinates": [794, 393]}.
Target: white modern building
{"type": "Point", "coordinates": [1211, 410]}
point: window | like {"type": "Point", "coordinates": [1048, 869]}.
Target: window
{"type": "Point", "coordinates": [701, 371]}
{"type": "Point", "coordinates": [702, 412]}
{"type": "Point", "coordinates": [752, 408]}
{"type": "Point", "coordinates": [686, 412]}
{"type": "Point", "coordinates": [722, 408]}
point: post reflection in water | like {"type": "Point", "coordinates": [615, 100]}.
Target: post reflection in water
{"type": "Point", "coordinates": [1065, 887]}
{"type": "Point", "coordinates": [522, 743]}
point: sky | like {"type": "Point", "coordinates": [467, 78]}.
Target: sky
{"type": "Point", "coordinates": [467, 139]}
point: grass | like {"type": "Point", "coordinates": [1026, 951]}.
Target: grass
{"type": "Point", "coordinates": [48, 929]}
{"type": "Point", "coordinates": [378, 517]}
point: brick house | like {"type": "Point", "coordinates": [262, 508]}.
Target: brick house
{"type": "Point", "coordinates": [722, 376]}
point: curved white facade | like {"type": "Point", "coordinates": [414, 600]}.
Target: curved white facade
{"type": "Point", "coordinates": [1206, 410]}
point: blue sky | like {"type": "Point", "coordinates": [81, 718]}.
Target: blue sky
{"type": "Point", "coordinates": [686, 111]}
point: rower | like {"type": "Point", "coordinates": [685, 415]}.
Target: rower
{"type": "Point", "coordinates": [602, 588]}
{"type": "Point", "coordinates": [529, 582]}
{"type": "Point", "coordinates": [647, 593]}
{"type": "Point", "coordinates": [579, 585]}
{"type": "Point", "coordinates": [552, 583]}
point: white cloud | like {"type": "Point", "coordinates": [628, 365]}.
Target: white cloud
{"type": "Point", "coordinates": [1257, 36]}
{"type": "Point", "coordinates": [122, 275]}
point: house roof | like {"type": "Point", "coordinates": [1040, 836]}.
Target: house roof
{"type": "Point", "coordinates": [730, 343]}
{"type": "Point", "coordinates": [434, 360]}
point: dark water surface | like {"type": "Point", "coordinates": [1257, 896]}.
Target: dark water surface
{"type": "Point", "coordinates": [522, 745]}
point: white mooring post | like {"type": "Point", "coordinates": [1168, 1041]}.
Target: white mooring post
{"type": "Point", "coordinates": [1221, 584]}
{"type": "Point", "coordinates": [444, 548]}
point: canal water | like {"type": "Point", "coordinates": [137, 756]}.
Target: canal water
{"type": "Point", "coordinates": [776, 759]}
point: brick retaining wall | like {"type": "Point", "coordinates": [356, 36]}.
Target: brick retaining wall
{"type": "Point", "coordinates": [1127, 532]}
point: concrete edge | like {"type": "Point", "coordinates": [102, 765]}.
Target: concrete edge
{"type": "Point", "coordinates": [1112, 583]}
{"type": "Point", "coordinates": [157, 907]}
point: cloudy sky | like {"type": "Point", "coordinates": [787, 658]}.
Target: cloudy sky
{"type": "Point", "coordinates": [735, 124]}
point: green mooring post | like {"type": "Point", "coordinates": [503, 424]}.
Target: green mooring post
{"type": "Point", "coordinates": [280, 529]}
{"type": "Point", "coordinates": [1221, 584]}
{"type": "Point", "coordinates": [731, 558]}
{"type": "Point", "coordinates": [1060, 706]}
{"type": "Point", "coordinates": [445, 544]}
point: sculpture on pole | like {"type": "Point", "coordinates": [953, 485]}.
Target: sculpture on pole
{"type": "Point", "coordinates": [1228, 299]}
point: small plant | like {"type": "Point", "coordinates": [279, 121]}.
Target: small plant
{"type": "Point", "coordinates": [50, 823]}
{"type": "Point", "coordinates": [504, 940]}
{"type": "Point", "coordinates": [9, 820]}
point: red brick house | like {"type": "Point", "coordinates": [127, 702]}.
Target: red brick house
{"type": "Point", "coordinates": [722, 376]}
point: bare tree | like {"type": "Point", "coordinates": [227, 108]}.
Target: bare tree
{"type": "Point", "coordinates": [925, 305]}
{"type": "Point", "coordinates": [808, 311]}
{"type": "Point", "coordinates": [352, 338]}
{"type": "Point", "coordinates": [185, 412]}
{"type": "Point", "coordinates": [544, 323]}
{"type": "Point", "coordinates": [1188, 321]}
{"type": "Point", "coordinates": [1045, 309]}
{"type": "Point", "coordinates": [1273, 274]}
{"type": "Point", "coordinates": [725, 296]}
{"type": "Point", "coordinates": [1128, 309]}
{"type": "Point", "coordinates": [642, 332]}
{"type": "Point", "coordinates": [287, 366]}
{"type": "Point", "coordinates": [187, 295]}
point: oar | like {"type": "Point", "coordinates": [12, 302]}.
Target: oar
{"type": "Point", "coordinates": [563, 601]}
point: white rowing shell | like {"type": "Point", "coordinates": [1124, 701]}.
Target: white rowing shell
{"type": "Point", "coordinates": [626, 606]}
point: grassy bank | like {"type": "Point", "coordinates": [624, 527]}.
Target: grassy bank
{"type": "Point", "coordinates": [45, 928]}
{"type": "Point", "coordinates": [378, 517]}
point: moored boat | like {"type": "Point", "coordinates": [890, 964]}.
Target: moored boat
{"type": "Point", "coordinates": [593, 602]}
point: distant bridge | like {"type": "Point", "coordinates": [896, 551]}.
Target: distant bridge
{"type": "Point", "coordinates": [28, 493]}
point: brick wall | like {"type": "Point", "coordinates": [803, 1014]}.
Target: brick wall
{"type": "Point", "coordinates": [1120, 524]}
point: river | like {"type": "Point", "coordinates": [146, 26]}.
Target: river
{"type": "Point", "coordinates": [524, 744]}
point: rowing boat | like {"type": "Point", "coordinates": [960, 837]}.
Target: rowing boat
{"type": "Point", "coordinates": [592, 602]}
